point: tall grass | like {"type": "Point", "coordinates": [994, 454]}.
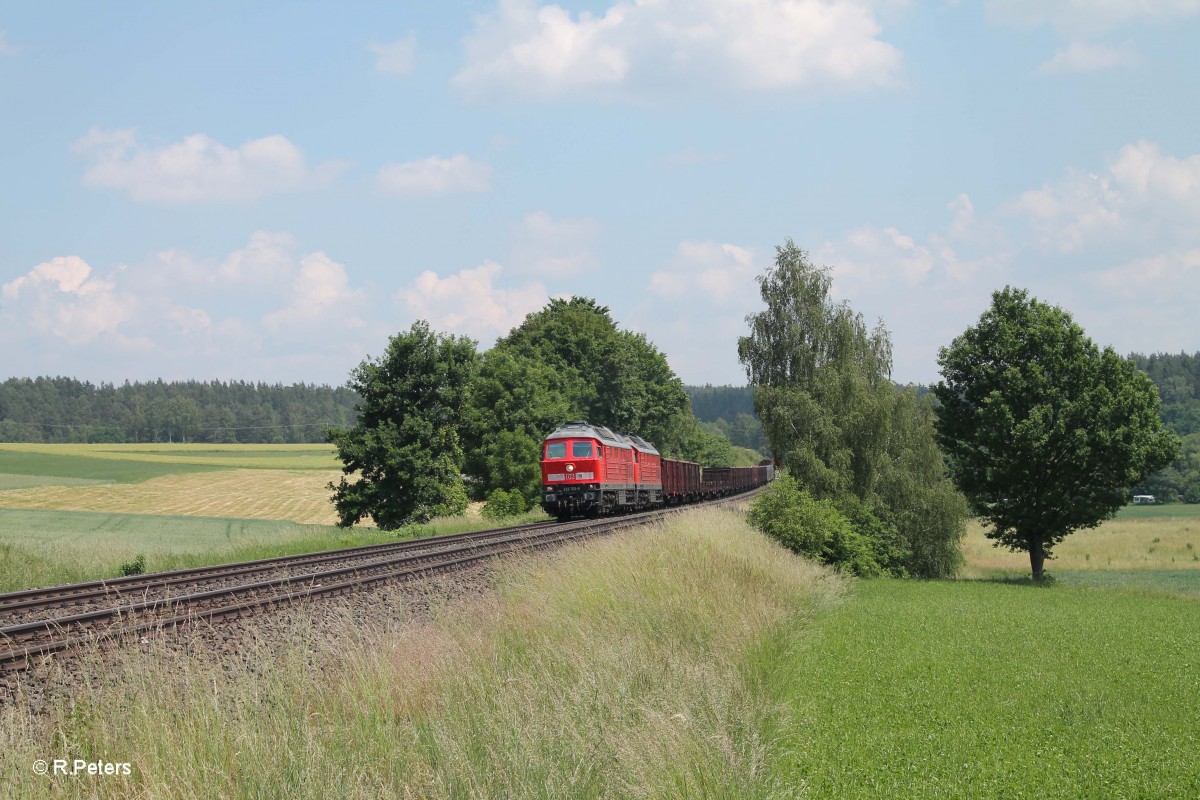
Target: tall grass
{"type": "Point", "coordinates": [622, 669]}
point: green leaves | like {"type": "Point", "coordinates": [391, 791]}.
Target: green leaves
{"type": "Point", "coordinates": [405, 455]}
{"type": "Point", "coordinates": [1045, 432]}
{"type": "Point", "coordinates": [822, 388]}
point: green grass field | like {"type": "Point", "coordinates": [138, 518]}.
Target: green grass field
{"type": "Point", "coordinates": [71, 469]}
{"type": "Point", "coordinates": [1167, 510]}
{"type": "Point", "coordinates": [983, 689]}
{"type": "Point", "coordinates": [697, 660]}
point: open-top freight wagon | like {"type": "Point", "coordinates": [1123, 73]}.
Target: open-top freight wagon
{"type": "Point", "coordinates": [587, 470]}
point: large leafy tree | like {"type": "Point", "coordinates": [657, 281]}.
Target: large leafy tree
{"type": "Point", "coordinates": [1045, 432]}
{"type": "Point", "coordinates": [822, 387]}
{"type": "Point", "coordinates": [608, 376]}
{"type": "Point", "coordinates": [515, 401]}
{"type": "Point", "coordinates": [404, 454]}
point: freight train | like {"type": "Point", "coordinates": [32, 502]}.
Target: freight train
{"type": "Point", "coordinates": [587, 470]}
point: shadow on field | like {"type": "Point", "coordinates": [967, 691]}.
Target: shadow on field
{"type": "Point", "coordinates": [1048, 582]}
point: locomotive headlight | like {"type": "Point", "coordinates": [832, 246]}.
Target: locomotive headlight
{"type": "Point", "coordinates": [570, 467]}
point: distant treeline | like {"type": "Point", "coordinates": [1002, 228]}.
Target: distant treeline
{"type": "Point", "coordinates": [729, 411]}
{"type": "Point", "coordinates": [68, 410]}
{"type": "Point", "coordinates": [1177, 377]}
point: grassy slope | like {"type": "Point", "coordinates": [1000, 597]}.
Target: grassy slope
{"type": "Point", "coordinates": [981, 689]}
{"type": "Point", "coordinates": [698, 661]}
{"type": "Point", "coordinates": [615, 670]}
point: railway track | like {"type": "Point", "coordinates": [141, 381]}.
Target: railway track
{"type": "Point", "coordinates": [39, 622]}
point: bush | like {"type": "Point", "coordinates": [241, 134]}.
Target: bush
{"type": "Point", "coordinates": [135, 567]}
{"type": "Point", "coordinates": [502, 503]}
{"type": "Point", "coordinates": [813, 528]}
{"type": "Point", "coordinates": [887, 542]}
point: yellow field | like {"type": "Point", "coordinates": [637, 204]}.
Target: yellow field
{"type": "Point", "coordinates": [296, 495]}
{"type": "Point", "coordinates": [1153, 543]}
{"type": "Point", "coordinates": [247, 456]}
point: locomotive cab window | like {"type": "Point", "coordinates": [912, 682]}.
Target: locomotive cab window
{"type": "Point", "coordinates": [556, 450]}
{"type": "Point", "coordinates": [581, 449]}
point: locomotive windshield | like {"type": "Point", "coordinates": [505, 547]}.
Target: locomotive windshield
{"type": "Point", "coordinates": [556, 450]}
{"type": "Point", "coordinates": [581, 449]}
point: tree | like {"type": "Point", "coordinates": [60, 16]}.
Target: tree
{"type": "Point", "coordinates": [405, 449]}
{"type": "Point", "coordinates": [1045, 432]}
{"type": "Point", "coordinates": [515, 401]}
{"type": "Point", "coordinates": [609, 376]}
{"type": "Point", "coordinates": [832, 416]}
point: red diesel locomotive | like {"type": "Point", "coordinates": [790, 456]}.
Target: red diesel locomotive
{"type": "Point", "coordinates": [589, 470]}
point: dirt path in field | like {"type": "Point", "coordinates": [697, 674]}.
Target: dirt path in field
{"type": "Point", "coordinates": [296, 495]}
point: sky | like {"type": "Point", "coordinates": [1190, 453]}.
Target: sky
{"type": "Point", "coordinates": [268, 191]}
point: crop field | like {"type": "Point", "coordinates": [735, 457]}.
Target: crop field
{"type": "Point", "coordinates": [112, 460]}
{"type": "Point", "coordinates": [1167, 537]}
{"type": "Point", "coordinates": [296, 495]}
{"type": "Point", "coordinates": [78, 512]}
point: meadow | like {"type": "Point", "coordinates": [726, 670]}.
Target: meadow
{"type": "Point", "coordinates": [79, 512]}
{"type": "Point", "coordinates": [692, 659]}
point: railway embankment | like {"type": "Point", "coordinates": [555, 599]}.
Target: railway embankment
{"type": "Point", "coordinates": [623, 667]}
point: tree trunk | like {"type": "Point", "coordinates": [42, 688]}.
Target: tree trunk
{"type": "Point", "coordinates": [1037, 559]}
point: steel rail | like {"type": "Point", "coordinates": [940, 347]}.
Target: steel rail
{"type": "Point", "coordinates": [74, 593]}
{"type": "Point", "coordinates": [290, 589]}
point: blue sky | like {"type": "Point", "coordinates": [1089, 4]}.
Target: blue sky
{"type": "Point", "coordinates": [268, 191]}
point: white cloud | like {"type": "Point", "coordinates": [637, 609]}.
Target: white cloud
{"type": "Point", "coordinates": [469, 302]}
{"type": "Point", "coordinates": [265, 260]}
{"type": "Point", "coordinates": [435, 175]}
{"type": "Point", "coordinates": [396, 57]}
{"type": "Point", "coordinates": [926, 289]}
{"type": "Point", "coordinates": [1088, 15]}
{"type": "Point", "coordinates": [1143, 192]}
{"type": "Point", "coordinates": [1085, 57]}
{"type": "Point", "coordinates": [179, 315]}
{"type": "Point", "coordinates": [6, 47]}
{"type": "Point", "coordinates": [554, 248]}
{"type": "Point", "coordinates": [716, 274]}
{"type": "Point", "coordinates": [540, 51]}
{"type": "Point", "coordinates": [63, 298]}
{"type": "Point", "coordinates": [695, 305]}
{"type": "Point", "coordinates": [1170, 276]}
{"type": "Point", "coordinates": [320, 300]}
{"type": "Point", "coordinates": [197, 169]}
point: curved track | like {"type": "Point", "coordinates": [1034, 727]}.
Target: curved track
{"type": "Point", "coordinates": [39, 622]}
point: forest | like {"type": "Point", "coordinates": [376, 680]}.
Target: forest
{"type": "Point", "coordinates": [59, 409]}
{"type": "Point", "coordinates": [1177, 377]}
